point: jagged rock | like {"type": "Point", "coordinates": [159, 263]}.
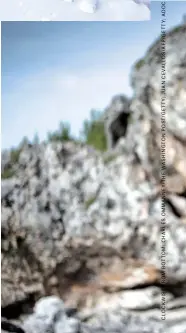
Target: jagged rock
{"type": "Point", "coordinates": [116, 118]}
{"type": "Point", "coordinates": [70, 212]}
{"type": "Point", "coordinates": [120, 321]}
{"type": "Point", "coordinates": [147, 89]}
{"type": "Point", "coordinates": [6, 326]}
{"type": "Point", "coordinates": [178, 204]}
{"type": "Point", "coordinates": [5, 159]}
{"type": "Point", "coordinates": [140, 299]}
{"type": "Point", "coordinates": [49, 316]}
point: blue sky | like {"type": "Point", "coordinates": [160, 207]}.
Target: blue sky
{"type": "Point", "coordinates": [59, 71]}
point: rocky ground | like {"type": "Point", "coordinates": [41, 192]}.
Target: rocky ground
{"type": "Point", "coordinates": [85, 226]}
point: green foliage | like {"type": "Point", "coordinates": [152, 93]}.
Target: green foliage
{"type": "Point", "coordinates": [14, 159]}
{"type": "Point", "coordinates": [93, 131]}
{"type": "Point", "coordinates": [139, 64]}
{"type": "Point", "coordinates": [62, 134]}
{"type": "Point", "coordinates": [93, 134]}
{"type": "Point", "coordinates": [176, 29]}
{"type": "Point", "coordinates": [7, 173]}
{"type": "Point", "coordinates": [90, 201]}
{"type": "Point", "coordinates": [14, 155]}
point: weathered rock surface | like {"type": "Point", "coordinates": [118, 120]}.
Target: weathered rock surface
{"type": "Point", "coordinates": [116, 118]}
{"type": "Point", "coordinates": [50, 316]}
{"type": "Point", "coordinates": [86, 226]}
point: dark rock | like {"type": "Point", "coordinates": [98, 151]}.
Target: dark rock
{"type": "Point", "coordinates": [10, 327]}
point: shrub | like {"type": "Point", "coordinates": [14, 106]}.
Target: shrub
{"type": "Point", "coordinates": [176, 29]}
{"type": "Point", "coordinates": [7, 173]}
{"type": "Point", "coordinates": [62, 134]}
{"type": "Point", "coordinates": [93, 132]}
{"type": "Point", "coordinates": [139, 63]}
{"type": "Point", "coordinates": [14, 156]}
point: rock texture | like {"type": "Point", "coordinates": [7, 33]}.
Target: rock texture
{"type": "Point", "coordinates": [86, 226]}
{"type": "Point", "coordinates": [116, 119]}
{"type": "Point", "coordinates": [49, 316]}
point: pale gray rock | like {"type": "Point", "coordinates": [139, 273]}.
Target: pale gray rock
{"type": "Point", "coordinates": [8, 186]}
{"type": "Point", "coordinates": [140, 299]}
{"type": "Point", "coordinates": [146, 85]}
{"type": "Point", "coordinates": [5, 159]}
{"type": "Point", "coordinates": [49, 316]}
{"type": "Point", "coordinates": [120, 321]}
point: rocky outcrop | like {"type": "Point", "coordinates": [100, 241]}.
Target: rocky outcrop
{"type": "Point", "coordinates": [86, 226]}
{"type": "Point", "coordinates": [116, 120]}
{"type": "Point", "coordinates": [50, 315]}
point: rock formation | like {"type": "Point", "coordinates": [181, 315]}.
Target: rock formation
{"type": "Point", "coordinates": [116, 118]}
{"type": "Point", "coordinates": [85, 226]}
{"type": "Point", "coordinates": [6, 326]}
